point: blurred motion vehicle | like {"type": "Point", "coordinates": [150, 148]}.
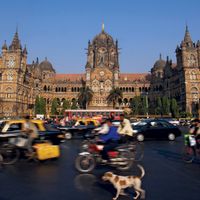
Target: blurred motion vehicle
{"type": "Point", "coordinates": [157, 129]}
{"type": "Point", "coordinates": [13, 128]}
{"type": "Point", "coordinates": [82, 128]}
{"type": "Point", "coordinates": [184, 121]}
{"type": "Point", "coordinates": [121, 158]}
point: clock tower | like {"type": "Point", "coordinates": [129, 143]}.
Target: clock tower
{"type": "Point", "coordinates": [13, 72]}
{"type": "Point", "coordinates": [188, 65]}
{"type": "Point", "coordinates": [102, 68]}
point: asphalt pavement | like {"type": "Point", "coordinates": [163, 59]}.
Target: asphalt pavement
{"type": "Point", "coordinates": [167, 176]}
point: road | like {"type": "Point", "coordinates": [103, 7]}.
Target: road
{"type": "Point", "coordinates": [166, 178]}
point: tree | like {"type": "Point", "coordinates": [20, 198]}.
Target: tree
{"type": "Point", "coordinates": [114, 96]}
{"type": "Point", "coordinates": [85, 96]}
{"type": "Point", "coordinates": [40, 105]}
{"type": "Point", "coordinates": [174, 108]}
{"type": "Point", "coordinates": [165, 105]}
{"type": "Point", "coordinates": [54, 106]}
{"type": "Point", "coordinates": [135, 105]}
{"type": "Point", "coordinates": [74, 104]}
{"type": "Point", "coordinates": [37, 105]}
{"type": "Point", "coordinates": [66, 105]}
{"type": "Point", "coordinates": [159, 106]}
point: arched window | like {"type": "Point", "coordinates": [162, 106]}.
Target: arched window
{"type": "Point", "coordinates": [195, 94]}
{"type": "Point", "coordinates": [9, 92]}
{"type": "Point", "coordinates": [45, 88]}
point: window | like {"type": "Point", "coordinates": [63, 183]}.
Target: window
{"type": "Point", "coordinates": [15, 127]}
{"type": "Point", "coordinates": [163, 124]}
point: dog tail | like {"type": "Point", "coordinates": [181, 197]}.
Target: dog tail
{"type": "Point", "coordinates": [142, 170]}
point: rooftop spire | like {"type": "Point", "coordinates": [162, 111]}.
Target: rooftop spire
{"type": "Point", "coordinates": [160, 56]}
{"type": "Point", "coordinates": [16, 42]}
{"type": "Point", "coordinates": [187, 37]}
{"type": "Point", "coordinates": [4, 47]}
{"type": "Point", "coordinates": [103, 27]}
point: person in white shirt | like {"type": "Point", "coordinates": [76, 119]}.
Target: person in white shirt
{"type": "Point", "coordinates": [125, 128]}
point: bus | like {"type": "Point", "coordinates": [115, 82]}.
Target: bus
{"type": "Point", "coordinates": [98, 114]}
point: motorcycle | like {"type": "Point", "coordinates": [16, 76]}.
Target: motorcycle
{"type": "Point", "coordinates": [120, 157]}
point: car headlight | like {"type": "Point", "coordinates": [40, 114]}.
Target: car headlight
{"type": "Point", "coordinates": [135, 131]}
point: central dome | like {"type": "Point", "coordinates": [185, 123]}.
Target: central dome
{"type": "Point", "coordinates": [159, 64]}
{"type": "Point", "coordinates": [103, 37]}
{"type": "Point", "coordinates": [46, 66]}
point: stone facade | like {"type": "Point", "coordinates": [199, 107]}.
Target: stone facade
{"type": "Point", "coordinates": [20, 82]}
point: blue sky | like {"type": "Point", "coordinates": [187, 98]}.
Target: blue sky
{"type": "Point", "coordinates": [60, 29]}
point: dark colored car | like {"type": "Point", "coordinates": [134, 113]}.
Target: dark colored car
{"type": "Point", "coordinates": [82, 131]}
{"type": "Point", "coordinates": [157, 129]}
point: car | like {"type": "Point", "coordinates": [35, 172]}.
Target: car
{"type": "Point", "coordinates": [13, 128]}
{"type": "Point", "coordinates": [172, 121]}
{"type": "Point", "coordinates": [156, 129]}
{"type": "Point", "coordinates": [82, 131]}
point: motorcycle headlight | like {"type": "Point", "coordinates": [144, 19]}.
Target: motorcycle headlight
{"type": "Point", "coordinates": [135, 131]}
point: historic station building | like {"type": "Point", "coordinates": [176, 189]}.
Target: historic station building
{"type": "Point", "coordinates": [20, 82]}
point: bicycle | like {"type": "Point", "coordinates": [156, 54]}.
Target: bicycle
{"type": "Point", "coordinates": [190, 151]}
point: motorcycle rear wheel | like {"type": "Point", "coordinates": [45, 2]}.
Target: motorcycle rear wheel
{"type": "Point", "coordinates": [85, 163]}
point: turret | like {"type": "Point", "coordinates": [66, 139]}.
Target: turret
{"type": "Point", "coordinates": [15, 45]}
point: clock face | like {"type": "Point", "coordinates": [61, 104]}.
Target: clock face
{"type": "Point", "coordinates": [11, 62]}
{"type": "Point", "coordinates": [101, 73]}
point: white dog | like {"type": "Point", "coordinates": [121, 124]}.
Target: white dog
{"type": "Point", "coordinates": [122, 182]}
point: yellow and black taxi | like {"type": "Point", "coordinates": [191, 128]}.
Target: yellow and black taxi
{"type": "Point", "coordinates": [13, 127]}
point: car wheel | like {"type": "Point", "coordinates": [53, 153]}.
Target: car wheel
{"type": "Point", "coordinates": [171, 136]}
{"type": "Point", "coordinates": [68, 135]}
{"type": "Point", "coordinates": [140, 137]}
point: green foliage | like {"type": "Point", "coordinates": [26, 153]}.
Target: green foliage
{"type": "Point", "coordinates": [74, 104]}
{"type": "Point", "coordinates": [165, 105]}
{"type": "Point", "coordinates": [40, 105]}
{"type": "Point", "coordinates": [139, 105]}
{"type": "Point", "coordinates": [174, 108]}
{"type": "Point", "coordinates": [66, 104]}
{"type": "Point", "coordinates": [185, 114]}
{"type": "Point", "coordinates": [158, 108]}
{"type": "Point", "coordinates": [54, 106]}
{"type": "Point", "coordinates": [135, 105]}
{"type": "Point", "coordinates": [114, 96]}
{"type": "Point", "coordinates": [84, 96]}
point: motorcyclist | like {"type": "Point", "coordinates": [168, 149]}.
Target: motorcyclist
{"type": "Point", "coordinates": [125, 129]}
{"type": "Point", "coordinates": [31, 132]}
{"type": "Point", "coordinates": [103, 129]}
{"type": "Point", "coordinates": [195, 130]}
{"type": "Point", "coordinates": [110, 140]}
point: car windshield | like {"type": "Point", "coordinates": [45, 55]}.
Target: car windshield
{"type": "Point", "coordinates": [2, 125]}
{"type": "Point", "coordinates": [142, 123]}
